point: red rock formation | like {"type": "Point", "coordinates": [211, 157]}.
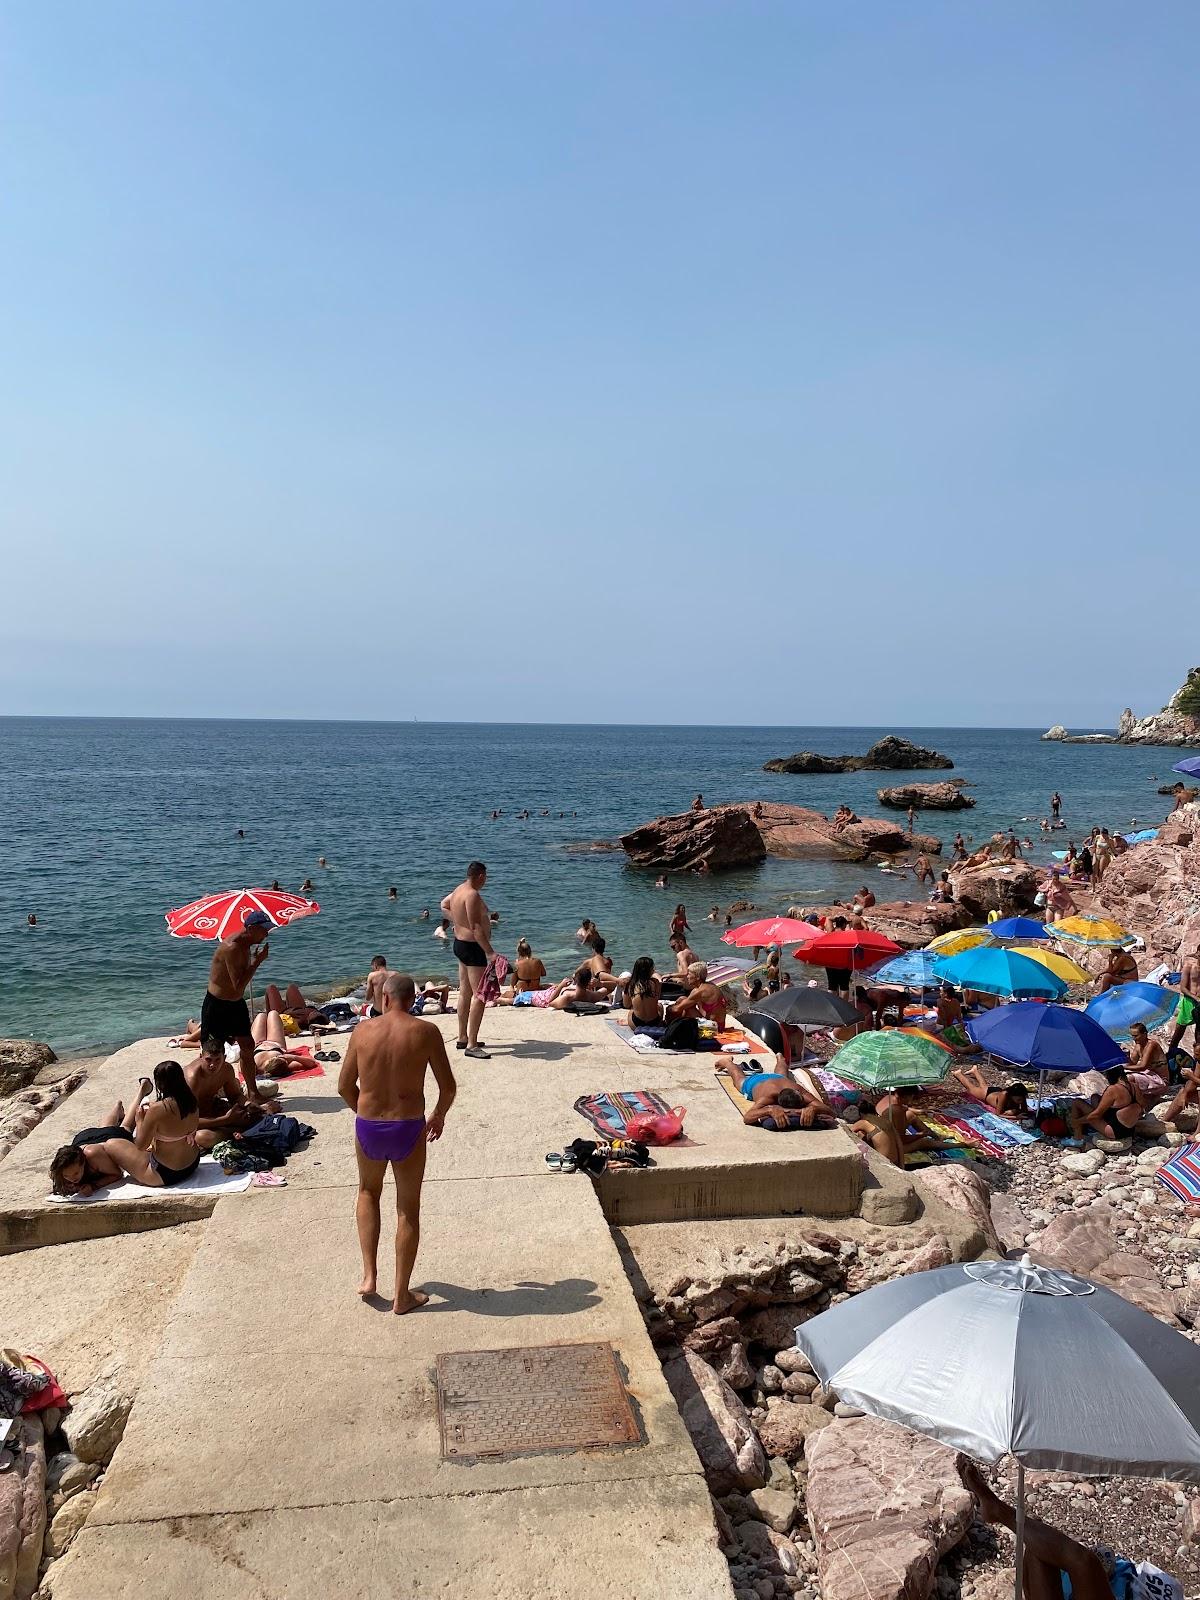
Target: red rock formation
{"type": "Point", "coordinates": [737, 836]}
{"type": "Point", "coordinates": [1008, 887]}
{"type": "Point", "coordinates": [1154, 888]}
{"type": "Point", "coordinates": [911, 923]}
{"type": "Point", "coordinates": [946, 796]}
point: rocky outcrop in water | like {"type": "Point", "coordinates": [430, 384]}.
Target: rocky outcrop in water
{"type": "Point", "coordinates": [947, 796]}
{"type": "Point", "coordinates": [1177, 723]}
{"type": "Point", "coordinates": [890, 754]}
{"type": "Point", "coordinates": [1059, 735]}
{"type": "Point", "coordinates": [736, 836]}
{"type": "Point", "coordinates": [910, 923]}
{"type": "Point", "coordinates": [1008, 887]}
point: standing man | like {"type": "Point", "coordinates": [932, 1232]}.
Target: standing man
{"type": "Point", "coordinates": [1187, 1013]}
{"type": "Point", "coordinates": [225, 1016]}
{"type": "Point", "coordinates": [472, 925]}
{"type": "Point", "coordinates": [383, 1082]}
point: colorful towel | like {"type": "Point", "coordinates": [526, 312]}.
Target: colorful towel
{"type": "Point", "coordinates": [838, 1092]}
{"type": "Point", "coordinates": [1181, 1174]}
{"type": "Point", "coordinates": [494, 974]}
{"type": "Point", "coordinates": [609, 1113]}
{"type": "Point", "coordinates": [740, 1104]}
{"type": "Point", "coordinates": [997, 1131]}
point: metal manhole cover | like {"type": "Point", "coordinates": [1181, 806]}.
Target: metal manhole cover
{"type": "Point", "coordinates": [532, 1399]}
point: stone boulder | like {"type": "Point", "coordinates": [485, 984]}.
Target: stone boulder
{"type": "Point", "coordinates": [1177, 723]}
{"type": "Point", "coordinates": [68, 1520]}
{"type": "Point", "coordinates": [719, 839]}
{"type": "Point", "coordinates": [94, 1425]}
{"type": "Point", "coordinates": [884, 1506]}
{"type": "Point", "coordinates": [1008, 887]}
{"type": "Point", "coordinates": [963, 1190]}
{"type": "Point", "coordinates": [889, 754]}
{"type": "Point", "coordinates": [1011, 1224]}
{"type": "Point", "coordinates": [788, 1424]}
{"type": "Point", "coordinates": [1152, 888]}
{"type": "Point", "coordinates": [719, 1424]}
{"type": "Point", "coordinates": [1057, 732]}
{"type": "Point", "coordinates": [23, 1513]}
{"type": "Point", "coordinates": [20, 1062]}
{"type": "Point", "coordinates": [896, 1260]}
{"type": "Point", "coordinates": [948, 796]}
{"type": "Point", "coordinates": [1084, 1242]}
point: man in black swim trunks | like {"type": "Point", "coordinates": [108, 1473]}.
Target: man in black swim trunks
{"type": "Point", "coordinates": [225, 1015]}
{"type": "Point", "coordinates": [472, 925]}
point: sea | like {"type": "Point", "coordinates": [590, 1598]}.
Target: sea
{"type": "Point", "coordinates": [111, 823]}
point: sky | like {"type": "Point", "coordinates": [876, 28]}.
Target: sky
{"type": "Point", "coordinates": [789, 363]}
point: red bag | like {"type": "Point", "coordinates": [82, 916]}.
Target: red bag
{"type": "Point", "coordinates": [659, 1129]}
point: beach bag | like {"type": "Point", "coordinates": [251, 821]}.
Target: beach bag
{"type": "Point", "coordinates": [681, 1034]}
{"type": "Point", "coordinates": [648, 1128]}
{"type": "Point", "coordinates": [275, 1137]}
{"type": "Point", "coordinates": [232, 1159]}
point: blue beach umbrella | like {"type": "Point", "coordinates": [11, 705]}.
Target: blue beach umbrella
{"type": "Point", "coordinates": [992, 969]}
{"type": "Point", "coordinates": [1047, 1038]}
{"type": "Point", "coordinates": [1117, 1009]}
{"type": "Point", "coordinates": [913, 970]}
{"type": "Point", "coordinates": [1018, 928]}
{"type": "Point", "coordinates": [1189, 766]}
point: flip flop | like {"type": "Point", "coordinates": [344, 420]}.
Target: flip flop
{"type": "Point", "coordinates": [461, 1044]}
{"type": "Point", "coordinates": [477, 1053]}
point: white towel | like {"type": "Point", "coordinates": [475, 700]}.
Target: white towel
{"type": "Point", "coordinates": [208, 1178]}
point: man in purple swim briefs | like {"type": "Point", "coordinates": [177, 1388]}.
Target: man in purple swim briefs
{"type": "Point", "coordinates": [383, 1082]}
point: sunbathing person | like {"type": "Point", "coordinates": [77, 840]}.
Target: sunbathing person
{"type": "Point", "coordinates": [643, 993]}
{"type": "Point", "coordinates": [82, 1166]}
{"type": "Point", "coordinates": [886, 1127]}
{"type": "Point", "coordinates": [774, 1097]}
{"type": "Point", "coordinates": [163, 1150]}
{"type": "Point", "coordinates": [189, 1039]}
{"type": "Point", "coordinates": [1148, 1065]}
{"type": "Point", "coordinates": [703, 999]}
{"type": "Point", "coordinates": [530, 970]}
{"type": "Point", "coordinates": [1010, 1101]}
{"type": "Point", "coordinates": [294, 1003]}
{"type": "Point", "coordinates": [601, 967]}
{"type": "Point", "coordinates": [1187, 1095]}
{"type": "Point", "coordinates": [1051, 1558]}
{"type": "Point", "coordinates": [1121, 968]}
{"type": "Point", "coordinates": [432, 991]}
{"type": "Point", "coordinates": [271, 1053]}
{"type": "Point", "coordinates": [1114, 1114]}
{"type": "Point", "coordinates": [220, 1097]}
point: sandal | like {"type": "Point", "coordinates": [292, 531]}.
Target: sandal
{"type": "Point", "coordinates": [476, 1052]}
{"type": "Point", "coordinates": [461, 1044]}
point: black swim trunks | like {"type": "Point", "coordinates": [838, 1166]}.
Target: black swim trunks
{"type": "Point", "coordinates": [173, 1175]}
{"type": "Point", "coordinates": [470, 953]}
{"type": "Point", "coordinates": [224, 1019]}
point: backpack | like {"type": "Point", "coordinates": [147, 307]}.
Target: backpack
{"type": "Point", "coordinates": [275, 1137]}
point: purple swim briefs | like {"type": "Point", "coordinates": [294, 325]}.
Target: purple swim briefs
{"type": "Point", "coordinates": [386, 1140]}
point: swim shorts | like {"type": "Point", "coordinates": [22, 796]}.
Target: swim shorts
{"type": "Point", "coordinates": [752, 1080]}
{"type": "Point", "coordinates": [469, 953]}
{"type": "Point", "coordinates": [1185, 1011]}
{"type": "Point", "coordinates": [224, 1020]}
{"type": "Point", "coordinates": [99, 1135]}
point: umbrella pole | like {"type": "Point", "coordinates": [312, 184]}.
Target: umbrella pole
{"type": "Point", "coordinates": [1020, 1528]}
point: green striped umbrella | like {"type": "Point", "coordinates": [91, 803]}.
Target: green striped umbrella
{"type": "Point", "coordinates": [890, 1058]}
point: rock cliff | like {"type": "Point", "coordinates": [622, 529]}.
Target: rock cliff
{"type": "Point", "coordinates": [724, 837]}
{"type": "Point", "coordinates": [889, 754]}
{"type": "Point", "coordinates": [1177, 723]}
{"type": "Point", "coordinates": [1154, 888]}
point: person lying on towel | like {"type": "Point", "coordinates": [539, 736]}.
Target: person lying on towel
{"type": "Point", "coordinates": [774, 1098]}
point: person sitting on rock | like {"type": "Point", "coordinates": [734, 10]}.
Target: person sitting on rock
{"type": "Point", "coordinates": [774, 1097]}
{"type": "Point", "coordinates": [842, 818]}
{"type": "Point", "coordinates": [943, 891]}
{"type": "Point", "coordinates": [1121, 968]}
{"type": "Point", "coordinates": [1148, 1067]}
{"type": "Point", "coordinates": [886, 1128]}
{"type": "Point", "coordinates": [1051, 1558]}
{"type": "Point", "coordinates": [1011, 1101]}
{"type": "Point", "coordinates": [1116, 1112]}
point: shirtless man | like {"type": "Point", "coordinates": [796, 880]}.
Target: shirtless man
{"type": "Point", "coordinates": [224, 1109]}
{"type": "Point", "coordinates": [472, 924]}
{"type": "Point", "coordinates": [224, 1016]}
{"type": "Point", "coordinates": [774, 1097]}
{"type": "Point", "coordinates": [383, 1082]}
{"type": "Point", "coordinates": [1187, 1014]}
{"type": "Point", "coordinates": [685, 956]}
{"type": "Point", "coordinates": [923, 869]}
{"type": "Point", "coordinates": [375, 981]}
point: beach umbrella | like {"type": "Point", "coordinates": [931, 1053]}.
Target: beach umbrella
{"type": "Point", "coordinates": [847, 949]}
{"type": "Point", "coordinates": [889, 1059]}
{"type": "Point", "coordinates": [1091, 932]}
{"type": "Point", "coordinates": [1054, 961]}
{"type": "Point", "coordinates": [1001, 1358]}
{"type": "Point", "coordinates": [1118, 1008]}
{"type": "Point", "coordinates": [220, 916]}
{"type": "Point", "coordinates": [994, 969]}
{"type": "Point", "coordinates": [1189, 766]}
{"type": "Point", "coordinates": [1049, 1038]}
{"type": "Point", "coordinates": [1018, 928]}
{"type": "Point", "coordinates": [912, 970]}
{"type": "Point", "coordinates": [802, 1007]}
{"type": "Point", "coordinates": [951, 944]}
{"type": "Point", "coordinates": [768, 931]}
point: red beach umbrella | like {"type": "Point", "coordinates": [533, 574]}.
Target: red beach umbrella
{"type": "Point", "coordinates": [770, 930]}
{"type": "Point", "coordinates": [219, 916]}
{"type": "Point", "coordinates": [847, 948]}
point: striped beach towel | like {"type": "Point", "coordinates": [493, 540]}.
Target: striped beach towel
{"type": "Point", "coordinates": [1181, 1174]}
{"type": "Point", "coordinates": [609, 1114]}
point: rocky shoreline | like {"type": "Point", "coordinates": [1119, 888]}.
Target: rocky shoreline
{"type": "Point", "coordinates": [1178, 723]}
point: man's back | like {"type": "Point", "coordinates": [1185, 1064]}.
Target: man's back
{"type": "Point", "coordinates": [467, 910]}
{"type": "Point", "coordinates": [391, 1054]}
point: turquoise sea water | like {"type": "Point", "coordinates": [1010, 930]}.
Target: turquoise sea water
{"type": "Point", "coordinates": [110, 823]}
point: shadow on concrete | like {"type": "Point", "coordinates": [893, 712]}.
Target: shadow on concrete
{"type": "Point", "coordinates": [561, 1299]}
{"type": "Point", "coordinates": [536, 1049]}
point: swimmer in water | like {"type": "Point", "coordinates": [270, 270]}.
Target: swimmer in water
{"type": "Point", "coordinates": [392, 892]}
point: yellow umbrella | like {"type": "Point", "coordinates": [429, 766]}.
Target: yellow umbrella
{"type": "Point", "coordinates": [949, 944]}
{"type": "Point", "coordinates": [1092, 931]}
{"type": "Point", "coordinates": [1061, 966]}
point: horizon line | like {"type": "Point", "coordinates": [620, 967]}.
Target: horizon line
{"type": "Point", "coordinates": [452, 722]}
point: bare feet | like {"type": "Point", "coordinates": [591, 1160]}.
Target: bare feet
{"type": "Point", "coordinates": [413, 1301]}
{"type": "Point", "coordinates": [120, 1112]}
{"type": "Point", "coordinates": [367, 1287]}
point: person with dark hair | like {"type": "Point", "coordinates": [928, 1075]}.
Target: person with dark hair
{"type": "Point", "coordinates": [472, 947]}
{"type": "Point", "coordinates": [375, 982]}
{"type": "Point", "coordinates": [601, 967]}
{"type": "Point", "coordinates": [679, 922]}
{"type": "Point", "coordinates": [224, 1014]}
{"type": "Point", "coordinates": [774, 1097]}
{"type": "Point", "coordinates": [1113, 1116]}
{"type": "Point", "coordinates": [83, 1166]}
{"type": "Point", "coordinates": [163, 1151]}
{"type": "Point", "coordinates": [1010, 1101]}
{"type": "Point", "coordinates": [643, 994]}
{"type": "Point", "coordinates": [223, 1107]}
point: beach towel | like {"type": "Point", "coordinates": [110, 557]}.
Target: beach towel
{"type": "Point", "coordinates": [1000, 1132]}
{"type": "Point", "coordinates": [487, 990]}
{"type": "Point", "coordinates": [1181, 1174]}
{"type": "Point", "coordinates": [208, 1178]}
{"type": "Point", "coordinates": [609, 1112]}
{"type": "Point", "coordinates": [838, 1092]}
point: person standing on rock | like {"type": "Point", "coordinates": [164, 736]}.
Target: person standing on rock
{"type": "Point", "coordinates": [383, 1082]}
{"type": "Point", "coordinates": [224, 1015]}
{"type": "Point", "coordinates": [1187, 1013]}
{"type": "Point", "coordinates": [472, 947]}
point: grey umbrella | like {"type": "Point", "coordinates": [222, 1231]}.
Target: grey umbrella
{"type": "Point", "coordinates": [806, 1008]}
{"type": "Point", "coordinates": [1003, 1358]}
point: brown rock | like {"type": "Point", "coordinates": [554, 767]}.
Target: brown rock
{"type": "Point", "coordinates": [719, 1425]}
{"type": "Point", "coordinates": [23, 1513]}
{"type": "Point", "coordinates": [1084, 1242]}
{"type": "Point", "coordinates": [868, 1271]}
{"type": "Point", "coordinates": [889, 754]}
{"type": "Point", "coordinates": [965, 1191]}
{"type": "Point", "coordinates": [774, 1328]}
{"type": "Point", "coordinates": [1010, 1222]}
{"type": "Point", "coordinates": [712, 1338]}
{"type": "Point", "coordinates": [20, 1062]}
{"type": "Point", "coordinates": [788, 1424]}
{"type": "Point", "coordinates": [721, 838]}
{"type": "Point", "coordinates": [947, 796]}
{"type": "Point", "coordinates": [1008, 887]}
{"type": "Point", "coordinates": [1177, 723]}
{"type": "Point", "coordinates": [1151, 888]}
{"type": "Point", "coordinates": [884, 1505]}
{"type": "Point", "coordinates": [911, 923]}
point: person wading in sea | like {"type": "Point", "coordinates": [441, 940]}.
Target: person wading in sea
{"type": "Point", "coordinates": [472, 947]}
{"type": "Point", "coordinates": [225, 1016]}
{"type": "Point", "coordinates": [383, 1082]}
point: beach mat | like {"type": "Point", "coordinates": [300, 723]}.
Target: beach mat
{"type": "Point", "coordinates": [610, 1110]}
{"type": "Point", "coordinates": [208, 1178]}
{"type": "Point", "coordinates": [315, 1071]}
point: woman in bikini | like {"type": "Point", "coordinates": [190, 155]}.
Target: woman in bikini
{"type": "Point", "coordinates": [1011, 1101]}
{"type": "Point", "coordinates": [644, 994]}
{"type": "Point", "coordinates": [83, 1166]}
{"type": "Point", "coordinates": [1114, 1115]}
{"type": "Point", "coordinates": [679, 923]}
{"type": "Point", "coordinates": [163, 1149]}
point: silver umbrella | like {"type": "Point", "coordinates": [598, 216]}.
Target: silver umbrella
{"type": "Point", "coordinates": [1000, 1358]}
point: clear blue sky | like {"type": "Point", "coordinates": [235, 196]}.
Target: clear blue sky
{"type": "Point", "coordinates": [798, 362]}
